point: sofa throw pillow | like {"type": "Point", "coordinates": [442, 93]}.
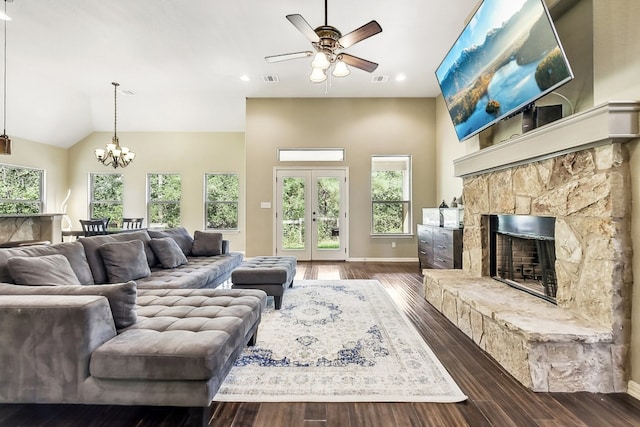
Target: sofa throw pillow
{"type": "Point", "coordinates": [121, 297]}
{"type": "Point", "coordinates": [206, 243]}
{"type": "Point", "coordinates": [125, 261]}
{"type": "Point", "coordinates": [42, 270]}
{"type": "Point", "coordinates": [168, 252]}
{"type": "Point", "coordinates": [179, 234]}
{"type": "Point", "coordinates": [72, 251]}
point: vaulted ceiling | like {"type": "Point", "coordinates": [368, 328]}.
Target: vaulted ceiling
{"type": "Point", "coordinates": [183, 59]}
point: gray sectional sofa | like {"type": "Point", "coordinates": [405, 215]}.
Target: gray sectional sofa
{"type": "Point", "coordinates": [160, 335]}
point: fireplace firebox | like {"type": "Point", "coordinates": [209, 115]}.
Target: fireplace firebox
{"type": "Point", "coordinates": [522, 253]}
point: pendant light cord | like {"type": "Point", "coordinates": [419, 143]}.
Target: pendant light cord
{"type": "Point", "coordinates": [4, 90]}
{"type": "Point", "coordinates": [115, 109]}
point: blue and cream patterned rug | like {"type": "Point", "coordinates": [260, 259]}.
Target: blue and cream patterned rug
{"type": "Point", "coordinates": [338, 340]}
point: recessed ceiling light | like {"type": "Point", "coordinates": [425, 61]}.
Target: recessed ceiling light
{"type": "Point", "coordinates": [400, 77]}
{"type": "Point", "coordinates": [245, 78]}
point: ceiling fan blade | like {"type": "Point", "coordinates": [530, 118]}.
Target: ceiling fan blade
{"type": "Point", "coordinates": [354, 61]}
{"type": "Point", "coordinates": [364, 32]}
{"type": "Point", "coordinates": [287, 56]}
{"type": "Point", "coordinates": [303, 26]}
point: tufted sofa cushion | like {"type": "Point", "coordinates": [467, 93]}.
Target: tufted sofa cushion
{"type": "Point", "coordinates": [181, 334]}
{"type": "Point", "coordinates": [199, 272]}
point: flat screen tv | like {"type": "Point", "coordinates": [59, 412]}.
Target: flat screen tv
{"type": "Point", "coordinates": [507, 57]}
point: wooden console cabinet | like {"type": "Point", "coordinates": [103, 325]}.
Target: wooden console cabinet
{"type": "Point", "coordinates": [439, 247]}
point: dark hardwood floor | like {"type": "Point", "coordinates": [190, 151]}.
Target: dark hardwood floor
{"type": "Point", "coordinates": [495, 398]}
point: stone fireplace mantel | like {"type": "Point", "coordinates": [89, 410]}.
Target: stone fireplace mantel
{"type": "Point", "coordinates": [616, 121]}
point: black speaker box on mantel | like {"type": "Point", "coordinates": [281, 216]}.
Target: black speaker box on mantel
{"type": "Point", "coordinates": [535, 117]}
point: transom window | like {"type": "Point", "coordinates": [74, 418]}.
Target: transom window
{"type": "Point", "coordinates": [391, 195]}
{"type": "Point", "coordinates": [21, 190]}
{"type": "Point", "coordinates": [106, 196]}
{"type": "Point", "coordinates": [221, 201]}
{"type": "Point", "coordinates": [163, 201]}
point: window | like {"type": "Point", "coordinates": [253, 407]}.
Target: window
{"type": "Point", "coordinates": [311, 154]}
{"type": "Point", "coordinates": [221, 201]}
{"type": "Point", "coordinates": [164, 193]}
{"type": "Point", "coordinates": [390, 195]}
{"type": "Point", "coordinates": [107, 191]}
{"type": "Point", "coordinates": [21, 190]}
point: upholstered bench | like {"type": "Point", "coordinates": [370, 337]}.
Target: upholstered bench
{"type": "Point", "coordinates": [272, 274]}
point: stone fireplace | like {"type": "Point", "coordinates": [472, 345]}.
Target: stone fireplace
{"type": "Point", "coordinates": [575, 171]}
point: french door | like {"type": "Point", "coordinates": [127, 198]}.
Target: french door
{"type": "Point", "coordinates": [311, 213]}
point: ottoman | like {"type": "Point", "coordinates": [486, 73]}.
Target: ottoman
{"type": "Point", "coordinates": [271, 274]}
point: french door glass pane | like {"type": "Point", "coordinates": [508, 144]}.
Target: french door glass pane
{"type": "Point", "coordinates": [328, 214]}
{"type": "Point", "coordinates": [293, 211]}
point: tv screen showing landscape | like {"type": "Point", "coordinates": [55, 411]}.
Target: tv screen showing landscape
{"type": "Point", "coordinates": [506, 57]}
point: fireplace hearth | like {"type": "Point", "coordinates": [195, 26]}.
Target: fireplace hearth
{"type": "Point", "coordinates": [522, 250]}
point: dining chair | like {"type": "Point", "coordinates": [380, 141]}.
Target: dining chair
{"type": "Point", "coordinates": [94, 227]}
{"type": "Point", "coordinates": [131, 223]}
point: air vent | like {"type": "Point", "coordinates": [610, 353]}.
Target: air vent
{"type": "Point", "coordinates": [379, 79]}
{"type": "Point", "coordinates": [270, 79]}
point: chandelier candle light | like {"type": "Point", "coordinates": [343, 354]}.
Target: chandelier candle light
{"type": "Point", "coordinates": [115, 155]}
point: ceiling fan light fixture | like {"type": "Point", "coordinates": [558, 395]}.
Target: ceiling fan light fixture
{"type": "Point", "coordinates": [318, 75]}
{"type": "Point", "coordinates": [320, 61]}
{"type": "Point", "coordinates": [341, 69]}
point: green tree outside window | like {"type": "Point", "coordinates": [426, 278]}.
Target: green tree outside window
{"type": "Point", "coordinates": [107, 195]}
{"type": "Point", "coordinates": [165, 192]}
{"type": "Point", "coordinates": [391, 195]}
{"type": "Point", "coordinates": [221, 201]}
{"type": "Point", "coordinates": [21, 190]}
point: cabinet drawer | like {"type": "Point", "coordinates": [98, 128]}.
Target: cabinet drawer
{"type": "Point", "coordinates": [425, 233]}
{"type": "Point", "coordinates": [424, 245]}
{"type": "Point", "coordinates": [441, 251]}
{"type": "Point", "coordinates": [443, 237]}
{"type": "Point", "coordinates": [443, 263]}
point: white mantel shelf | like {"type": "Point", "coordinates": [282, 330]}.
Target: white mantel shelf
{"type": "Point", "coordinates": [612, 122]}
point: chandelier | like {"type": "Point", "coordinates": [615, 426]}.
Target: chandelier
{"type": "Point", "coordinates": [5, 141]}
{"type": "Point", "coordinates": [115, 155]}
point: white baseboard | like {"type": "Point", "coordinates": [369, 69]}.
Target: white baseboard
{"type": "Point", "coordinates": [382, 260]}
{"type": "Point", "coordinates": [633, 389]}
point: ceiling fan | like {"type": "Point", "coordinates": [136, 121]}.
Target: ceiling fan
{"type": "Point", "coordinates": [329, 42]}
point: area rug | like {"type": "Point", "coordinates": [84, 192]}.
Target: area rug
{"type": "Point", "coordinates": [338, 341]}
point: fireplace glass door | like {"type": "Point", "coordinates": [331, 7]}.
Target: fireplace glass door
{"type": "Point", "coordinates": [523, 253]}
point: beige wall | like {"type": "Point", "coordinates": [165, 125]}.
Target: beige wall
{"type": "Point", "coordinates": [190, 154]}
{"type": "Point", "coordinates": [363, 127]}
{"type": "Point", "coordinates": [448, 148]}
{"type": "Point", "coordinates": [42, 156]}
